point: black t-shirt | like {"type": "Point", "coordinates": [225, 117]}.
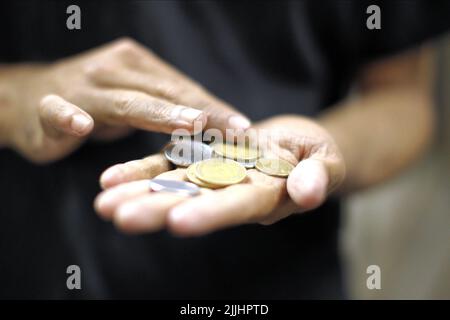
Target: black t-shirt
{"type": "Point", "coordinates": [265, 58]}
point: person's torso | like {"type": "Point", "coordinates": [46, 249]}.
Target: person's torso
{"type": "Point", "coordinates": [262, 58]}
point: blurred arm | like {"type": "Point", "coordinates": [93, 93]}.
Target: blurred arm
{"type": "Point", "coordinates": [389, 123]}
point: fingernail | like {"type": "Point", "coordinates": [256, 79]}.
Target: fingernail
{"type": "Point", "coordinates": [239, 122]}
{"type": "Point", "coordinates": [110, 176]}
{"type": "Point", "coordinates": [80, 123]}
{"type": "Point", "coordinates": [190, 115]}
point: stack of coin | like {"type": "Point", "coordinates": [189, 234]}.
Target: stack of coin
{"type": "Point", "coordinates": [215, 173]}
{"type": "Point", "coordinates": [222, 164]}
{"type": "Point", "coordinates": [192, 176]}
{"type": "Point", "coordinates": [245, 155]}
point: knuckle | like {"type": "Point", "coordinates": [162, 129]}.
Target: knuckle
{"type": "Point", "coordinates": [127, 47]}
{"type": "Point", "coordinates": [160, 110]}
{"type": "Point", "coordinates": [128, 104]}
{"type": "Point", "coordinates": [168, 90]}
{"type": "Point", "coordinates": [139, 106]}
{"type": "Point", "coordinates": [125, 42]}
{"type": "Point", "coordinates": [51, 109]}
{"type": "Point", "coordinates": [98, 70]}
{"type": "Point", "coordinates": [46, 101]}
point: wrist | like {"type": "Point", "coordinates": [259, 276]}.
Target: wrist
{"type": "Point", "coordinates": [7, 112]}
{"type": "Point", "coordinates": [17, 99]}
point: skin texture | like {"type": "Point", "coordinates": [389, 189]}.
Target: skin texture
{"type": "Point", "coordinates": [354, 145]}
{"type": "Point", "coordinates": [389, 123]}
{"type": "Point", "coordinates": [261, 198]}
{"type": "Point", "coordinates": [104, 92]}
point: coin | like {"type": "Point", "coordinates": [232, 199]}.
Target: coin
{"type": "Point", "coordinates": [274, 167]}
{"type": "Point", "coordinates": [235, 152]}
{"type": "Point", "coordinates": [174, 186]}
{"type": "Point", "coordinates": [191, 175]}
{"type": "Point", "coordinates": [185, 152]}
{"type": "Point", "coordinates": [221, 172]}
{"type": "Point", "coordinates": [249, 164]}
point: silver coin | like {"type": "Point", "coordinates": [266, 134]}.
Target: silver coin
{"type": "Point", "coordinates": [183, 153]}
{"type": "Point", "coordinates": [174, 186]}
{"type": "Point", "coordinates": [247, 164]}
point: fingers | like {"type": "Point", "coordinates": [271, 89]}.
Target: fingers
{"type": "Point", "coordinates": [134, 208]}
{"type": "Point", "coordinates": [234, 205]}
{"type": "Point", "coordinates": [109, 200]}
{"type": "Point", "coordinates": [178, 91]}
{"type": "Point", "coordinates": [146, 213]}
{"type": "Point", "coordinates": [146, 168]}
{"type": "Point", "coordinates": [142, 111]}
{"type": "Point", "coordinates": [222, 116]}
{"type": "Point", "coordinates": [147, 87]}
{"type": "Point", "coordinates": [307, 184]}
{"type": "Point", "coordinates": [154, 85]}
{"type": "Point", "coordinates": [59, 117]}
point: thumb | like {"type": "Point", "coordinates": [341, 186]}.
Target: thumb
{"type": "Point", "coordinates": [307, 184]}
{"type": "Point", "coordinates": [61, 118]}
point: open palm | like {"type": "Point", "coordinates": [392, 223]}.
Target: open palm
{"type": "Point", "coordinates": [260, 198]}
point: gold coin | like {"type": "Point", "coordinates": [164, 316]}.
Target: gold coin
{"type": "Point", "coordinates": [190, 173]}
{"type": "Point", "coordinates": [220, 172]}
{"type": "Point", "coordinates": [235, 152]}
{"type": "Point", "coordinates": [274, 167]}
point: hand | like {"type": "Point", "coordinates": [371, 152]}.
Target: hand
{"type": "Point", "coordinates": [260, 199]}
{"type": "Point", "coordinates": [122, 85]}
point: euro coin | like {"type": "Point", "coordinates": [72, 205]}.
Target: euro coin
{"type": "Point", "coordinates": [185, 152]}
{"type": "Point", "coordinates": [274, 167]}
{"type": "Point", "coordinates": [180, 187]}
{"type": "Point", "coordinates": [235, 152]}
{"type": "Point", "coordinates": [220, 172]}
{"type": "Point", "coordinates": [191, 175]}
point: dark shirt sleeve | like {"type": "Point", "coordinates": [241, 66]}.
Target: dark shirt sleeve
{"type": "Point", "coordinates": [347, 45]}
{"type": "Point", "coordinates": [404, 24]}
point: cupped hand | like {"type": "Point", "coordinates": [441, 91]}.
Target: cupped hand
{"type": "Point", "coordinates": [261, 198]}
{"type": "Point", "coordinates": [114, 88]}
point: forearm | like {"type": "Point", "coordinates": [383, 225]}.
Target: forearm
{"type": "Point", "coordinates": [381, 133]}
{"type": "Point", "coordinates": [7, 96]}
{"type": "Point", "coordinates": [390, 122]}
{"type": "Point", "coordinates": [14, 90]}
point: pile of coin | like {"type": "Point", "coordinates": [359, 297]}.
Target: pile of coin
{"type": "Point", "coordinates": [222, 164]}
